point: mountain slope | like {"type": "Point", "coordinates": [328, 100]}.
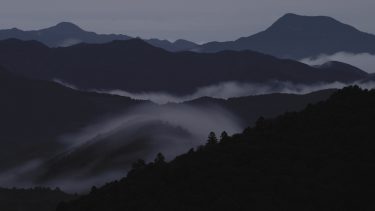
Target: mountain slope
{"type": "Point", "coordinates": [342, 69]}
{"type": "Point", "coordinates": [317, 159]}
{"type": "Point", "coordinates": [34, 114]}
{"type": "Point", "coordinates": [296, 37]}
{"type": "Point", "coordinates": [136, 66]}
{"type": "Point", "coordinates": [178, 45]}
{"type": "Point", "coordinates": [250, 108]}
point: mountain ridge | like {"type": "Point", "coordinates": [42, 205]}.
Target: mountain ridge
{"type": "Point", "coordinates": [296, 37]}
{"type": "Point", "coordinates": [66, 34]}
{"type": "Point", "coordinates": [125, 65]}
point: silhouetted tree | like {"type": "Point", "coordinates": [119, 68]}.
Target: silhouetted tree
{"type": "Point", "coordinates": [224, 136]}
{"type": "Point", "coordinates": [160, 159]}
{"type": "Point", "coordinates": [212, 139]}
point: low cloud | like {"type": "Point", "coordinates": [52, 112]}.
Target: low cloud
{"type": "Point", "coordinates": [19, 176]}
{"type": "Point", "coordinates": [105, 151]}
{"type": "Point", "coordinates": [232, 89]}
{"type": "Point", "coordinates": [69, 42]}
{"type": "Point", "coordinates": [64, 83]}
{"type": "Point", "coordinates": [364, 61]}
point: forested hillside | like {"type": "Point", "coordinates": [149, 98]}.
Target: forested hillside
{"type": "Point", "coordinates": [321, 158]}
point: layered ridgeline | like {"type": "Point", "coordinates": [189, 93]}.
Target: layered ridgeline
{"type": "Point", "coordinates": [318, 159]}
{"type": "Point", "coordinates": [66, 34]}
{"type": "Point", "coordinates": [297, 37]}
{"type": "Point", "coordinates": [292, 36]}
{"type": "Point", "coordinates": [57, 136]}
{"type": "Point", "coordinates": [136, 66]}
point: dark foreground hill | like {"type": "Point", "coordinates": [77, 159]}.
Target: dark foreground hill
{"type": "Point", "coordinates": [136, 66]}
{"type": "Point", "coordinates": [296, 37]}
{"type": "Point", "coordinates": [318, 159]}
{"type": "Point", "coordinates": [36, 199]}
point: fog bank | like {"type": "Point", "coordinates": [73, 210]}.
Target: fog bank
{"type": "Point", "coordinates": [364, 61]}
{"type": "Point", "coordinates": [233, 89]}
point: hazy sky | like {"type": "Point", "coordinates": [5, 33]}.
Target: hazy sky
{"type": "Point", "coordinates": [197, 20]}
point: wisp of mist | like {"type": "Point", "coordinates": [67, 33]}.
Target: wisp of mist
{"type": "Point", "coordinates": [363, 61]}
{"type": "Point", "coordinates": [233, 89]}
{"type": "Point", "coordinates": [106, 150]}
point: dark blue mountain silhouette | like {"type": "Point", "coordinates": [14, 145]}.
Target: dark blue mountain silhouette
{"type": "Point", "coordinates": [136, 66]}
{"type": "Point", "coordinates": [295, 36]}
{"type": "Point", "coordinates": [66, 34]}
{"type": "Point", "coordinates": [178, 45]}
{"type": "Point", "coordinates": [61, 35]}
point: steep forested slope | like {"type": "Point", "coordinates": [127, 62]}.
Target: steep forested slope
{"type": "Point", "coordinates": [319, 159]}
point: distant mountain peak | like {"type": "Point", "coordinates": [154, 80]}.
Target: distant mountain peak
{"type": "Point", "coordinates": [294, 22]}
{"type": "Point", "coordinates": [291, 15]}
{"type": "Point", "coordinates": [67, 34]}
{"type": "Point", "coordinates": [66, 27]}
{"type": "Point", "coordinates": [295, 17]}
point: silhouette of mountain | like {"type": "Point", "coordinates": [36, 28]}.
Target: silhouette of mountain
{"type": "Point", "coordinates": [36, 199]}
{"type": "Point", "coordinates": [34, 114]}
{"type": "Point", "coordinates": [136, 66]}
{"type": "Point", "coordinates": [342, 69]}
{"type": "Point", "coordinates": [296, 37]}
{"type": "Point", "coordinates": [178, 45]}
{"type": "Point", "coordinates": [67, 34]}
{"type": "Point", "coordinates": [316, 159]}
{"type": "Point", "coordinates": [250, 108]}
{"type": "Point", "coordinates": [62, 35]}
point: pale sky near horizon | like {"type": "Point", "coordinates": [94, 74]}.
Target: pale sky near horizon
{"type": "Point", "coordinates": [196, 20]}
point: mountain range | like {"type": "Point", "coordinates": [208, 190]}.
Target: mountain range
{"type": "Point", "coordinates": [136, 66]}
{"type": "Point", "coordinates": [292, 36]}
{"type": "Point", "coordinates": [67, 34]}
